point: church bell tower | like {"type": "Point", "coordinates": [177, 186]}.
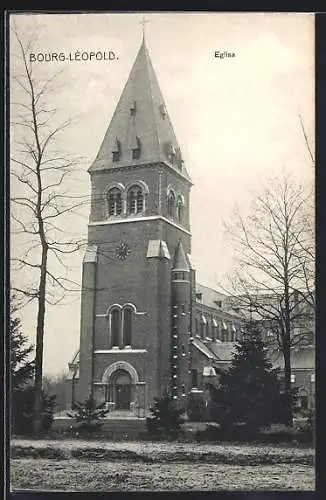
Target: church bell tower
{"type": "Point", "coordinates": [136, 286]}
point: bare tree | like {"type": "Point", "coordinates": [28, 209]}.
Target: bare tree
{"type": "Point", "coordinates": [274, 277]}
{"type": "Point", "coordinates": [41, 199]}
{"type": "Point", "coordinates": [306, 140]}
{"type": "Point", "coordinates": [308, 260]}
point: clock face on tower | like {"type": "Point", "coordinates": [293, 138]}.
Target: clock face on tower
{"type": "Point", "coordinates": [122, 250]}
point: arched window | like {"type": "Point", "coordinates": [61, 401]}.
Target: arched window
{"type": "Point", "coordinates": [234, 332]}
{"type": "Point", "coordinates": [179, 209]}
{"type": "Point", "coordinates": [214, 329]}
{"type": "Point", "coordinates": [115, 327]}
{"type": "Point", "coordinates": [171, 204]}
{"type": "Point", "coordinates": [203, 327]}
{"type": "Point", "coordinates": [127, 326]}
{"type": "Point", "coordinates": [224, 332]}
{"type": "Point", "coordinates": [135, 200]}
{"type": "Point", "coordinates": [140, 201]}
{"type": "Point", "coordinates": [114, 202]}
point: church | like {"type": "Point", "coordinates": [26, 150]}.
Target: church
{"type": "Point", "coordinates": [147, 326]}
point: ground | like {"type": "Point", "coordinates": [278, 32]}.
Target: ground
{"type": "Point", "coordinates": [78, 475]}
{"type": "Point", "coordinates": [139, 466]}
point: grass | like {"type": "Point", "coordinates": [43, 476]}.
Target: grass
{"type": "Point", "coordinates": [221, 455]}
{"type": "Point", "coordinates": [79, 475]}
{"type": "Point", "coordinates": [162, 447]}
{"type": "Point", "coordinates": [80, 465]}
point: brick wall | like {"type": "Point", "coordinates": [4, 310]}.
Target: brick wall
{"type": "Point", "coordinates": [88, 299]}
{"type": "Point", "coordinates": [143, 282]}
{"type": "Point", "coordinates": [157, 177]}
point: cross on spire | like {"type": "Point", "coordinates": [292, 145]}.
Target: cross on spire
{"type": "Point", "coordinates": [143, 23]}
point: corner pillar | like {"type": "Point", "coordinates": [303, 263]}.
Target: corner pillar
{"type": "Point", "coordinates": [85, 386]}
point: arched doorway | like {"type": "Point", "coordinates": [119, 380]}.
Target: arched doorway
{"type": "Point", "coordinates": [121, 384]}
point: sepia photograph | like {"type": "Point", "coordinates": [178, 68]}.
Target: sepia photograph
{"type": "Point", "coordinates": [162, 251]}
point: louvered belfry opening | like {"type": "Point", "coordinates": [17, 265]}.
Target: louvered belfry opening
{"type": "Point", "coordinates": [135, 200]}
{"type": "Point", "coordinates": [171, 204]}
{"type": "Point", "coordinates": [114, 202]}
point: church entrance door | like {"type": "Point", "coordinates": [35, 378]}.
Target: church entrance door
{"type": "Point", "coordinates": [122, 390]}
{"type": "Point", "coordinates": [122, 397]}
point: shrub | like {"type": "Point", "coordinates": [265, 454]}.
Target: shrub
{"type": "Point", "coordinates": [22, 411]}
{"type": "Point", "coordinates": [88, 415]}
{"type": "Point", "coordinates": [166, 419]}
{"type": "Point", "coordinates": [152, 426]}
{"type": "Point", "coordinates": [282, 405]}
{"type": "Point", "coordinates": [243, 433]}
{"type": "Point", "coordinates": [20, 365]}
{"type": "Point", "coordinates": [196, 409]}
{"type": "Point", "coordinates": [236, 432]}
{"type": "Point", "coordinates": [307, 429]}
{"type": "Point", "coordinates": [304, 413]}
{"type": "Point", "coordinates": [48, 406]}
{"type": "Point", "coordinates": [249, 389]}
{"type": "Point", "coordinates": [282, 434]}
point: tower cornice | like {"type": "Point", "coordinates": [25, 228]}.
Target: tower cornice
{"type": "Point", "coordinates": [140, 166]}
{"type": "Point", "coordinates": [129, 220]}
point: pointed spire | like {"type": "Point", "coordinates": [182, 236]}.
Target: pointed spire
{"type": "Point", "coordinates": [143, 22]}
{"type": "Point", "coordinates": [141, 112]}
{"type": "Point", "coordinates": [180, 259]}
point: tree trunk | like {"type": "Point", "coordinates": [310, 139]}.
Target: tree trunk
{"type": "Point", "coordinates": [39, 345]}
{"type": "Point", "coordinates": [287, 357]}
{"type": "Point", "coordinates": [288, 416]}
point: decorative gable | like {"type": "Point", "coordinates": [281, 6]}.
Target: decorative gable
{"type": "Point", "coordinates": [116, 150]}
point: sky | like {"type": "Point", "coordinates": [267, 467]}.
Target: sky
{"type": "Point", "coordinates": [236, 119]}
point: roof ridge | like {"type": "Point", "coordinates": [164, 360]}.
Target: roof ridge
{"type": "Point", "coordinates": [201, 346]}
{"type": "Point", "coordinates": [149, 63]}
{"type": "Point", "coordinates": [215, 355]}
{"type": "Point", "coordinates": [210, 288]}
